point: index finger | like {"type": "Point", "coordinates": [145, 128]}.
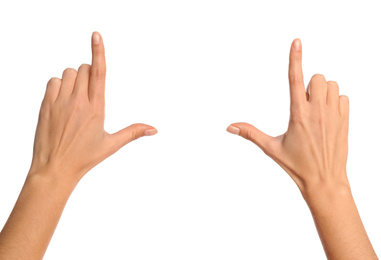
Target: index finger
{"type": "Point", "coordinates": [295, 74]}
{"type": "Point", "coordinates": [98, 68]}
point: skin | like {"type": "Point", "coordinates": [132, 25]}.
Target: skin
{"type": "Point", "coordinates": [70, 140]}
{"type": "Point", "coordinates": [313, 151]}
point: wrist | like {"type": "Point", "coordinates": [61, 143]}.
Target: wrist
{"type": "Point", "coordinates": [52, 177]}
{"type": "Point", "coordinates": [326, 192]}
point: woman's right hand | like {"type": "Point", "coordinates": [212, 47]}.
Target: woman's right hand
{"type": "Point", "coordinates": [70, 137]}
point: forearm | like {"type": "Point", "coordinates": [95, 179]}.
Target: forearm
{"type": "Point", "coordinates": [338, 223]}
{"type": "Point", "coordinates": [31, 225]}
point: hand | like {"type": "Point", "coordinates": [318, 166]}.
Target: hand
{"type": "Point", "coordinates": [70, 137]}
{"type": "Point", "coordinates": [313, 151]}
{"type": "Point", "coordinates": [70, 140]}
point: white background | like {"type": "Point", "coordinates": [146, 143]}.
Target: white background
{"type": "Point", "coordinates": [190, 68]}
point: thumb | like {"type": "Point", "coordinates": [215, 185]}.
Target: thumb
{"type": "Point", "coordinates": [131, 133]}
{"type": "Point", "coordinates": [250, 132]}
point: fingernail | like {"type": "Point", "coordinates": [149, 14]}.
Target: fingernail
{"type": "Point", "coordinates": [297, 45]}
{"type": "Point", "coordinates": [233, 130]}
{"type": "Point", "coordinates": [150, 132]}
{"type": "Point", "coordinates": [96, 38]}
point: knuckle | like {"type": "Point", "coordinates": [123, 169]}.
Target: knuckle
{"type": "Point", "coordinates": [135, 135]}
{"type": "Point", "coordinates": [70, 71]}
{"type": "Point", "coordinates": [84, 67]}
{"type": "Point", "coordinates": [246, 134]}
{"type": "Point", "coordinates": [298, 117]}
{"type": "Point", "coordinates": [344, 98]}
{"type": "Point", "coordinates": [332, 83]}
{"type": "Point", "coordinates": [318, 77]}
{"type": "Point", "coordinates": [332, 86]}
{"type": "Point", "coordinates": [54, 81]}
{"type": "Point", "coordinates": [297, 78]}
{"type": "Point", "coordinates": [99, 51]}
{"type": "Point", "coordinates": [98, 73]}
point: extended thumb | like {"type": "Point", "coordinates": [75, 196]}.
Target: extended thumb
{"type": "Point", "coordinates": [132, 133]}
{"type": "Point", "coordinates": [251, 133]}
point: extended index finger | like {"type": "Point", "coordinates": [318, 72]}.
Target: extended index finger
{"type": "Point", "coordinates": [295, 74]}
{"type": "Point", "coordinates": [98, 68]}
